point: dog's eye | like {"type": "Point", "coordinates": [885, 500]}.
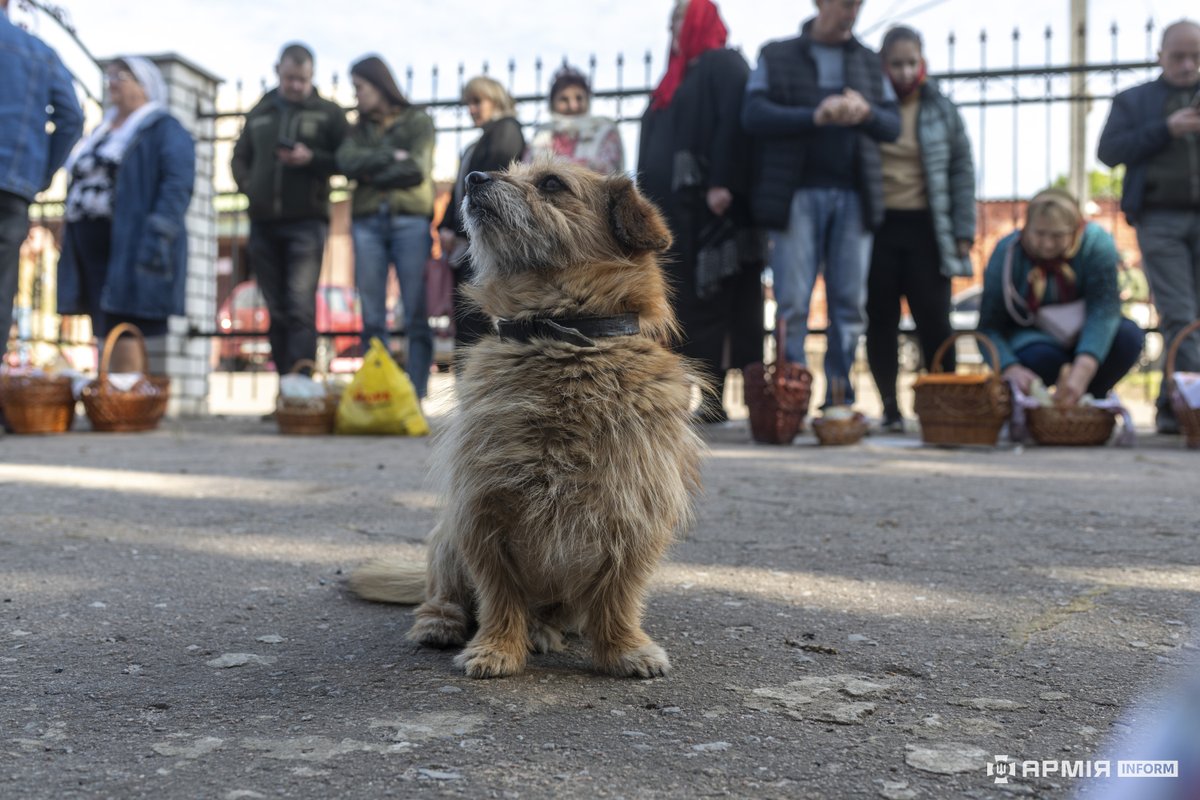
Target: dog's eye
{"type": "Point", "coordinates": [551, 184]}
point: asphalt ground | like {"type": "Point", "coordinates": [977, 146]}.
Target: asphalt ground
{"type": "Point", "coordinates": [872, 621]}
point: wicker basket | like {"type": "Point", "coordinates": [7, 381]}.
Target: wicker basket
{"type": "Point", "coordinates": [139, 409]}
{"type": "Point", "coordinates": [777, 396]}
{"type": "Point", "coordinates": [840, 431]}
{"type": "Point", "coordinates": [37, 403]}
{"type": "Point", "coordinates": [1071, 426]}
{"type": "Point", "coordinates": [1189, 418]}
{"type": "Point", "coordinates": [962, 409]}
{"type": "Point", "coordinates": [306, 416]}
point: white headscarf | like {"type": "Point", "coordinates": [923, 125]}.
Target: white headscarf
{"type": "Point", "coordinates": [114, 143]}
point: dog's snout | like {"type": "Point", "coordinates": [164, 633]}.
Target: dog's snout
{"type": "Point", "coordinates": [478, 178]}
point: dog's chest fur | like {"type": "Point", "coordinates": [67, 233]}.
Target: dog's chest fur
{"type": "Point", "coordinates": [576, 456]}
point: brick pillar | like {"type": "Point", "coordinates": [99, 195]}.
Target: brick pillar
{"type": "Point", "coordinates": [192, 93]}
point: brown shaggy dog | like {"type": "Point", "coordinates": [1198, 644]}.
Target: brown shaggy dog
{"type": "Point", "coordinates": [571, 462]}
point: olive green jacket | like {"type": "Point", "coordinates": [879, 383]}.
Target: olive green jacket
{"type": "Point", "coordinates": [368, 156]}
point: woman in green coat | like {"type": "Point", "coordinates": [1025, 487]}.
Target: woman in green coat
{"type": "Point", "coordinates": [389, 156]}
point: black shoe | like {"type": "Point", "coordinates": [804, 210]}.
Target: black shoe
{"type": "Point", "coordinates": [1166, 423]}
{"type": "Point", "coordinates": [892, 423]}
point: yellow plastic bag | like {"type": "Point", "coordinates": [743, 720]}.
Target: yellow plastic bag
{"type": "Point", "coordinates": [380, 399]}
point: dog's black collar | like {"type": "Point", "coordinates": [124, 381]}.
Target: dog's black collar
{"type": "Point", "coordinates": [579, 331]}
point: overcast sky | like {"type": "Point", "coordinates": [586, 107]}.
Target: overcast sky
{"type": "Point", "coordinates": [241, 39]}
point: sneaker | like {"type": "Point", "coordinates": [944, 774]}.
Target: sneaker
{"type": "Point", "coordinates": [892, 424]}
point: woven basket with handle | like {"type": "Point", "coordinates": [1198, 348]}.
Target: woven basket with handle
{"type": "Point", "coordinates": [1189, 418]}
{"type": "Point", "coordinates": [306, 416]}
{"type": "Point", "coordinates": [777, 395]}
{"type": "Point", "coordinates": [962, 409]}
{"type": "Point", "coordinates": [140, 408]}
{"type": "Point", "coordinates": [37, 403]}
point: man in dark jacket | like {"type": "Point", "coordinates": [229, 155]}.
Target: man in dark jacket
{"type": "Point", "coordinates": [818, 106]}
{"type": "Point", "coordinates": [1154, 130]}
{"type": "Point", "coordinates": [282, 163]}
{"type": "Point", "coordinates": [34, 81]}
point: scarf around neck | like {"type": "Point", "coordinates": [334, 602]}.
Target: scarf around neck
{"type": "Point", "coordinates": [1044, 272]}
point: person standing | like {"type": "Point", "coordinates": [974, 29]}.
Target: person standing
{"type": "Point", "coordinates": [282, 162]}
{"type": "Point", "coordinates": [125, 253]}
{"type": "Point", "coordinates": [36, 90]}
{"type": "Point", "coordinates": [818, 107]}
{"type": "Point", "coordinates": [692, 162]}
{"type": "Point", "coordinates": [1154, 130]}
{"type": "Point", "coordinates": [389, 156]}
{"type": "Point", "coordinates": [501, 142]}
{"type": "Point", "coordinates": [928, 223]}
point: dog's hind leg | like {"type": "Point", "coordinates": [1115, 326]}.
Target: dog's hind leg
{"type": "Point", "coordinates": [445, 617]}
{"type": "Point", "coordinates": [614, 624]}
{"type": "Point", "coordinates": [546, 629]}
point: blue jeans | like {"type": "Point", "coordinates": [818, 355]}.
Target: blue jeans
{"type": "Point", "coordinates": [285, 257]}
{"type": "Point", "coordinates": [825, 232]}
{"type": "Point", "coordinates": [403, 241]}
{"type": "Point", "coordinates": [1047, 360]}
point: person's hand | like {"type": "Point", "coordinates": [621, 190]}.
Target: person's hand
{"type": "Point", "coordinates": [963, 247]}
{"type": "Point", "coordinates": [1184, 121]}
{"type": "Point", "coordinates": [446, 239]}
{"type": "Point", "coordinates": [1074, 382]}
{"type": "Point", "coordinates": [298, 156]}
{"type": "Point", "coordinates": [400, 155]}
{"type": "Point", "coordinates": [1022, 376]}
{"type": "Point", "coordinates": [719, 198]}
{"type": "Point", "coordinates": [857, 109]}
{"type": "Point", "coordinates": [830, 110]}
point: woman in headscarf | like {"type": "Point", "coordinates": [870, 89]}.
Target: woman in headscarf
{"type": "Point", "coordinates": [693, 163]}
{"type": "Point", "coordinates": [573, 132]}
{"type": "Point", "coordinates": [124, 256]}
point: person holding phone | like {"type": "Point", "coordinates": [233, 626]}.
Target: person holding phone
{"type": "Point", "coordinates": [282, 162]}
{"type": "Point", "coordinates": [1154, 130]}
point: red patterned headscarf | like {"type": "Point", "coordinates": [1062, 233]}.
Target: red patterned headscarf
{"type": "Point", "coordinates": [702, 31]}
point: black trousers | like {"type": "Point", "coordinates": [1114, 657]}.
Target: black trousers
{"type": "Point", "coordinates": [286, 258]}
{"type": "Point", "coordinates": [14, 226]}
{"type": "Point", "coordinates": [905, 262]}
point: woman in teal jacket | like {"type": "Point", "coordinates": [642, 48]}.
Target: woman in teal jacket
{"type": "Point", "coordinates": [124, 256]}
{"type": "Point", "coordinates": [1056, 261]}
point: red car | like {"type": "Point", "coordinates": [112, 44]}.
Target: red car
{"type": "Point", "coordinates": [245, 311]}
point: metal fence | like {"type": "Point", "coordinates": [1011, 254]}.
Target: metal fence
{"type": "Point", "coordinates": [1016, 112]}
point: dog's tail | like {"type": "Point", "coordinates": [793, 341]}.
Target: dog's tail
{"type": "Point", "coordinates": [390, 581]}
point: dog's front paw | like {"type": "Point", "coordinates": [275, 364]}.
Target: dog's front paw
{"type": "Point", "coordinates": [647, 661]}
{"type": "Point", "coordinates": [545, 638]}
{"type": "Point", "coordinates": [483, 661]}
{"type": "Point", "coordinates": [439, 628]}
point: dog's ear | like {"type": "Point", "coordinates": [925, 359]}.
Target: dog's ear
{"type": "Point", "coordinates": [636, 223]}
